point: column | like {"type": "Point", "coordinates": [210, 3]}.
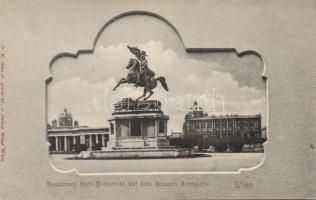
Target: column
{"type": "Point", "coordinates": [129, 128]}
{"type": "Point", "coordinates": [97, 138]}
{"type": "Point", "coordinates": [102, 140]}
{"type": "Point", "coordinates": [65, 143]}
{"type": "Point", "coordinates": [56, 143]}
{"type": "Point", "coordinates": [90, 141]}
{"type": "Point", "coordinates": [233, 126]}
{"type": "Point", "coordinates": [189, 124]}
{"type": "Point", "coordinates": [156, 128]}
{"type": "Point", "coordinates": [73, 139]}
{"type": "Point", "coordinates": [165, 127]}
{"type": "Point", "coordinates": [141, 129]}
{"type": "Point", "coordinates": [220, 127]}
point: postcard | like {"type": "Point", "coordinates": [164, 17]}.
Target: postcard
{"type": "Point", "coordinates": [157, 100]}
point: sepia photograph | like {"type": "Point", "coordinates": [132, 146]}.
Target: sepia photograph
{"type": "Point", "coordinates": [140, 103]}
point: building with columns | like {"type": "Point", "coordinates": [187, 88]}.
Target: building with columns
{"type": "Point", "coordinates": [65, 133]}
{"type": "Point", "coordinates": [222, 131]}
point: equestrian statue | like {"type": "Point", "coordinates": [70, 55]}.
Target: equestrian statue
{"type": "Point", "coordinates": [140, 75]}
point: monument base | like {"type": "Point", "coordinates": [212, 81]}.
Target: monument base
{"type": "Point", "coordinates": [135, 153]}
{"type": "Point", "coordinates": [138, 129]}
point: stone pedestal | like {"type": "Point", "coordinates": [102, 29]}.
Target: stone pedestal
{"type": "Point", "coordinates": [138, 125]}
{"type": "Point", "coordinates": [138, 129]}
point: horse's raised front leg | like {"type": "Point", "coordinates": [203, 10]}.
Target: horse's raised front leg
{"type": "Point", "coordinates": [119, 83]}
{"type": "Point", "coordinates": [144, 94]}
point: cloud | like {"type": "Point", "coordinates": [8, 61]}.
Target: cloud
{"type": "Point", "coordinates": [84, 85]}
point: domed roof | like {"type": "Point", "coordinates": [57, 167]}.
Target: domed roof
{"type": "Point", "coordinates": [196, 107]}
{"type": "Point", "coordinates": [65, 113]}
{"type": "Point", "coordinates": [65, 118]}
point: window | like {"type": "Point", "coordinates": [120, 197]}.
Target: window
{"type": "Point", "coordinates": [210, 125]}
{"type": "Point", "coordinates": [197, 125]}
{"type": "Point", "coordinates": [203, 126]}
{"type": "Point", "coordinates": [190, 126]}
{"type": "Point", "coordinates": [77, 139]}
{"type": "Point", "coordinates": [99, 139]}
{"type": "Point", "coordinates": [87, 140]}
{"type": "Point", "coordinates": [217, 126]}
{"type": "Point", "coordinates": [230, 125]}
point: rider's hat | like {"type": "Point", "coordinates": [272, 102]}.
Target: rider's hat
{"type": "Point", "coordinates": [143, 53]}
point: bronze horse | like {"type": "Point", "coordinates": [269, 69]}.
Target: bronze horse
{"type": "Point", "coordinates": [148, 82]}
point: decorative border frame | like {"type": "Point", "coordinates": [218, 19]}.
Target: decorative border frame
{"type": "Point", "coordinates": [188, 50]}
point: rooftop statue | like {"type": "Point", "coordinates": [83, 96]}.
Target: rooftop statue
{"type": "Point", "coordinates": [140, 75]}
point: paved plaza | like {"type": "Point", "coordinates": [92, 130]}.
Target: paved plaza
{"type": "Point", "coordinates": [209, 162]}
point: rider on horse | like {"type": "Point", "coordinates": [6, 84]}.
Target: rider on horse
{"type": "Point", "coordinates": [145, 73]}
{"type": "Point", "coordinates": [141, 75]}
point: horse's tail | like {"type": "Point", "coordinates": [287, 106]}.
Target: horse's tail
{"type": "Point", "coordinates": [163, 82]}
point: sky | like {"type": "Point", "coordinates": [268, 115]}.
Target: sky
{"type": "Point", "coordinates": [221, 82]}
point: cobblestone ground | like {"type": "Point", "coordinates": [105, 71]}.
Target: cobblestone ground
{"type": "Point", "coordinates": [211, 162]}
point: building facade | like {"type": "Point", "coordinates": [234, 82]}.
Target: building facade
{"type": "Point", "coordinates": [65, 133]}
{"type": "Point", "coordinates": [222, 131]}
